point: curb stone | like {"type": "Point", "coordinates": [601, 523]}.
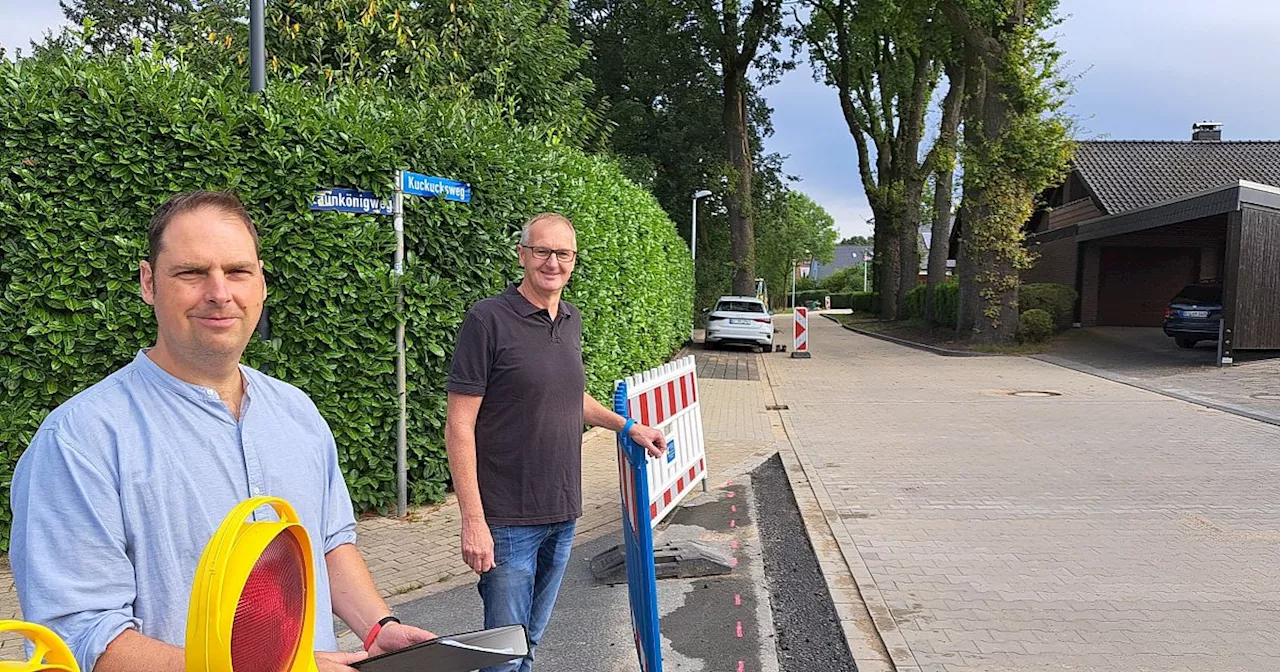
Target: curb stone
{"type": "Point", "coordinates": [944, 352]}
{"type": "Point", "coordinates": [871, 632]}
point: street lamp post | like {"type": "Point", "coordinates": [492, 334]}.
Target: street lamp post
{"type": "Point", "coordinates": [693, 250]}
{"type": "Point", "coordinates": [257, 46]}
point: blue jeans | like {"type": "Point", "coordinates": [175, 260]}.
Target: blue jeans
{"type": "Point", "coordinates": [522, 588]}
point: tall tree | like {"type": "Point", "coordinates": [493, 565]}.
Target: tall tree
{"type": "Point", "coordinates": [1016, 144]}
{"type": "Point", "coordinates": [944, 167]}
{"type": "Point", "coordinates": [117, 23]}
{"type": "Point", "coordinates": [517, 54]}
{"type": "Point", "coordinates": [883, 59]}
{"type": "Point", "coordinates": [658, 80]}
{"type": "Point", "coordinates": [736, 33]}
{"type": "Point", "coordinates": [793, 227]}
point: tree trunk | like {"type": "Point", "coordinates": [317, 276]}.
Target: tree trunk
{"type": "Point", "coordinates": [738, 201]}
{"type": "Point", "coordinates": [995, 313]}
{"type": "Point", "coordinates": [975, 96]}
{"type": "Point", "coordinates": [944, 184]}
{"type": "Point", "coordinates": [888, 261]}
{"type": "Point", "coordinates": [909, 244]}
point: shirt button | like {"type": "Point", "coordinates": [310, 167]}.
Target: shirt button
{"type": "Point", "coordinates": [257, 491]}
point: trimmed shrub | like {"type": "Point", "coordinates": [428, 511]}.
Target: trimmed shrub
{"type": "Point", "coordinates": [1057, 300]}
{"type": "Point", "coordinates": [946, 303]}
{"type": "Point", "coordinates": [859, 301]}
{"type": "Point", "coordinates": [1035, 326]}
{"type": "Point", "coordinates": [89, 149]}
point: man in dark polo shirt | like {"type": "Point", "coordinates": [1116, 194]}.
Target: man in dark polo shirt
{"type": "Point", "coordinates": [517, 404]}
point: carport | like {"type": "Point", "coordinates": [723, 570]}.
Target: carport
{"type": "Point", "coordinates": [1132, 263]}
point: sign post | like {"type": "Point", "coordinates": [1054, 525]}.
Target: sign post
{"type": "Point", "coordinates": [800, 347]}
{"type": "Point", "coordinates": [368, 203]}
{"type": "Point", "coordinates": [415, 184]}
{"type": "Point", "coordinates": [402, 394]}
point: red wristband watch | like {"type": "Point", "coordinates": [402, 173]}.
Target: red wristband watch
{"type": "Point", "coordinates": [377, 627]}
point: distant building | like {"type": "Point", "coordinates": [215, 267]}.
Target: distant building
{"type": "Point", "coordinates": [1135, 221]}
{"type": "Point", "coordinates": [846, 256]}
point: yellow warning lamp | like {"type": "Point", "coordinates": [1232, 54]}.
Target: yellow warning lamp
{"type": "Point", "coordinates": [253, 598]}
{"type": "Point", "coordinates": [51, 653]}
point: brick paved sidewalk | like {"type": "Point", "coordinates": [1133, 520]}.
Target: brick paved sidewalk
{"type": "Point", "coordinates": [1106, 528]}
{"type": "Point", "coordinates": [420, 555]}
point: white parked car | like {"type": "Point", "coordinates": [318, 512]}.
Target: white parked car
{"type": "Point", "coordinates": [740, 319]}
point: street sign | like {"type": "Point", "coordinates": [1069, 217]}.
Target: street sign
{"type": "Point", "coordinates": [351, 200]}
{"type": "Point", "coordinates": [426, 185]}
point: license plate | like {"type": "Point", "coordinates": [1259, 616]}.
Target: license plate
{"type": "Point", "coordinates": [1195, 313]}
{"type": "Point", "coordinates": [736, 321]}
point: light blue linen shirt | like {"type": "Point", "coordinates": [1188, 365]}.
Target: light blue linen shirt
{"type": "Point", "coordinates": [125, 483]}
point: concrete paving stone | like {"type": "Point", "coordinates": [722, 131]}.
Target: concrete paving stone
{"type": "Point", "coordinates": [1085, 529]}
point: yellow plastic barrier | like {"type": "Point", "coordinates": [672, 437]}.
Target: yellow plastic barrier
{"type": "Point", "coordinates": [51, 654]}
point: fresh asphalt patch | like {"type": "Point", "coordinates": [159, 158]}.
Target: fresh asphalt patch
{"type": "Point", "coordinates": [708, 624]}
{"type": "Point", "coordinates": [809, 633]}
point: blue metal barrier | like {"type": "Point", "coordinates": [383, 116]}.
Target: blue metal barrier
{"type": "Point", "coordinates": [642, 580]}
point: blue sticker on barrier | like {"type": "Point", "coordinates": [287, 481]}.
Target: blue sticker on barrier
{"type": "Point", "coordinates": [671, 450]}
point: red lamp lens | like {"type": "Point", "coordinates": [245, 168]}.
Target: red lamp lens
{"type": "Point", "coordinates": [269, 616]}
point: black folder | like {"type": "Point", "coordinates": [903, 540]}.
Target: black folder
{"type": "Point", "coordinates": [464, 652]}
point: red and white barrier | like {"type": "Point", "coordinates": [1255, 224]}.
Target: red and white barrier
{"type": "Point", "coordinates": [666, 398]}
{"type": "Point", "coordinates": [800, 347]}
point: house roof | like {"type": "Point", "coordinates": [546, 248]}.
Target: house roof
{"type": "Point", "coordinates": [1125, 175]}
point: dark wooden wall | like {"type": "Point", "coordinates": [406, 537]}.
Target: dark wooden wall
{"type": "Point", "coordinates": [1255, 256]}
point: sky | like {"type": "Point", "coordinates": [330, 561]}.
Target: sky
{"type": "Point", "coordinates": [1143, 69]}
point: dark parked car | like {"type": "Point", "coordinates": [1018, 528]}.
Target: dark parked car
{"type": "Point", "coordinates": [1193, 315]}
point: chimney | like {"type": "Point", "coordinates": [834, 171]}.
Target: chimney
{"type": "Point", "coordinates": [1206, 131]}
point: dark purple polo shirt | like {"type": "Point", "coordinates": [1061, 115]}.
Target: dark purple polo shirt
{"type": "Point", "coordinates": [529, 370]}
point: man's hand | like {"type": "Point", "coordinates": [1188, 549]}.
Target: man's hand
{"type": "Point", "coordinates": [477, 545]}
{"type": "Point", "coordinates": [395, 636]}
{"type": "Point", "coordinates": [338, 662]}
{"type": "Point", "coordinates": [651, 439]}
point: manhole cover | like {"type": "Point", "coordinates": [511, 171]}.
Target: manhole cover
{"type": "Point", "coordinates": [1266, 396]}
{"type": "Point", "coordinates": [1039, 394]}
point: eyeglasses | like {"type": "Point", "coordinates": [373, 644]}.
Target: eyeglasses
{"type": "Point", "coordinates": [544, 253]}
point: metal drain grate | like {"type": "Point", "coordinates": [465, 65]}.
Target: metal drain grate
{"type": "Point", "coordinates": [777, 407]}
{"type": "Point", "coordinates": [1035, 394]}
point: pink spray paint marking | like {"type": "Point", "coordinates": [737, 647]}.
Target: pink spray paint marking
{"type": "Point", "coordinates": [733, 508]}
{"type": "Point", "coordinates": [739, 629]}
{"type": "Point", "coordinates": [733, 523]}
{"type": "Point", "coordinates": [737, 600]}
{"type": "Point", "coordinates": [741, 666]}
{"type": "Point", "coordinates": [730, 494]}
{"type": "Point", "coordinates": [734, 544]}
{"type": "Point", "coordinates": [733, 562]}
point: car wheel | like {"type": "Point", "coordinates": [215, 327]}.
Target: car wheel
{"type": "Point", "coordinates": [1184, 342]}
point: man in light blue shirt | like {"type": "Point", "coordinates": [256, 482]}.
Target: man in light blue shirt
{"type": "Point", "coordinates": [125, 483]}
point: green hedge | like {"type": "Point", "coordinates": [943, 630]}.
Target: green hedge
{"type": "Point", "coordinates": [1059, 301]}
{"type": "Point", "coordinates": [861, 301]}
{"type": "Point", "coordinates": [88, 150]}
{"type": "Point", "coordinates": [946, 303]}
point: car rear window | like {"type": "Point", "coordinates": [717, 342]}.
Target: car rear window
{"type": "Point", "coordinates": [740, 307]}
{"type": "Point", "coordinates": [1199, 294]}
